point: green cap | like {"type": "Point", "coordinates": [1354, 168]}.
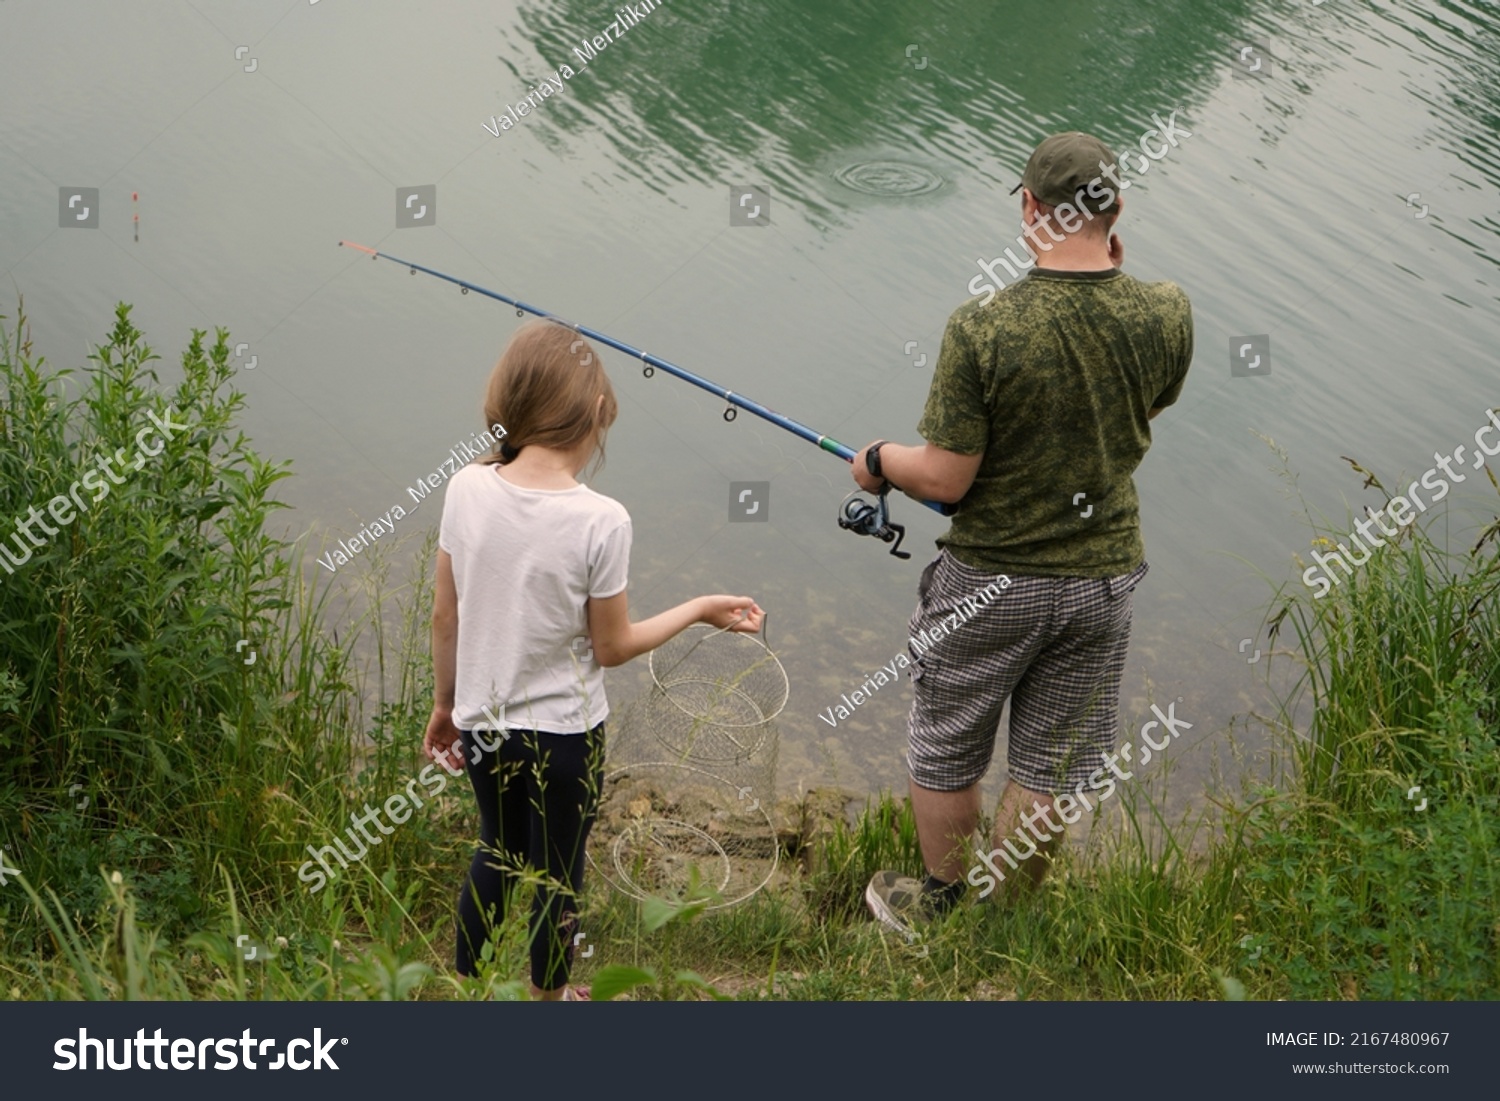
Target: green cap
{"type": "Point", "coordinates": [1063, 166]}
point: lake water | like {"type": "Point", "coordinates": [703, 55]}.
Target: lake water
{"type": "Point", "coordinates": [1340, 199]}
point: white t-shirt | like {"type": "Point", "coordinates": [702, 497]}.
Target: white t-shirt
{"type": "Point", "coordinates": [525, 562]}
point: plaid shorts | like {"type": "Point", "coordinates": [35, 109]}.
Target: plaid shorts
{"type": "Point", "coordinates": [1054, 646]}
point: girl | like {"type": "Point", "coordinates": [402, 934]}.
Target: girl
{"type": "Point", "coordinates": [530, 608]}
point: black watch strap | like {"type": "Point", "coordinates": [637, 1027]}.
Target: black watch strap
{"type": "Point", "coordinates": [872, 459]}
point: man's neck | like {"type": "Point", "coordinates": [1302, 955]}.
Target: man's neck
{"type": "Point", "coordinates": [1071, 257]}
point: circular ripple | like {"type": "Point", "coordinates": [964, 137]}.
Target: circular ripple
{"type": "Point", "coordinates": [889, 178]}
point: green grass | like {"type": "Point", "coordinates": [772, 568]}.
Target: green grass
{"type": "Point", "coordinates": [206, 778]}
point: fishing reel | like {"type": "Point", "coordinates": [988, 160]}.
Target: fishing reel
{"type": "Point", "coordinates": [872, 518]}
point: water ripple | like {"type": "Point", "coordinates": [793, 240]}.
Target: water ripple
{"type": "Point", "coordinates": [889, 178]}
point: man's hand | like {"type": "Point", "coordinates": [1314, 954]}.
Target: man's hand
{"type": "Point", "coordinates": [1116, 250]}
{"type": "Point", "coordinates": [862, 476]}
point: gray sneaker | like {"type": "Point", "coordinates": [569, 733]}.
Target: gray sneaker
{"type": "Point", "coordinates": [895, 900]}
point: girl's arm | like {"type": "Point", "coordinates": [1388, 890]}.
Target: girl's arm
{"type": "Point", "coordinates": [441, 733]}
{"type": "Point", "coordinates": [616, 640]}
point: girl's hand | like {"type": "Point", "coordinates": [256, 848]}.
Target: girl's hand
{"type": "Point", "coordinates": [740, 613]}
{"type": "Point", "coordinates": [443, 739]}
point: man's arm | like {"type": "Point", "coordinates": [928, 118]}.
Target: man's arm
{"type": "Point", "coordinates": [957, 414]}
{"type": "Point", "coordinates": [927, 472]}
{"type": "Point", "coordinates": [1184, 361]}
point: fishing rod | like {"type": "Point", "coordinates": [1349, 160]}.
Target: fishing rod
{"type": "Point", "coordinates": [855, 513]}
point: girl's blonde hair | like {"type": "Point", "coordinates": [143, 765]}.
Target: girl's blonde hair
{"type": "Point", "coordinates": [545, 390]}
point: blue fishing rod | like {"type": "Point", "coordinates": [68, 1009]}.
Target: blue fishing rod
{"type": "Point", "coordinates": [855, 513]}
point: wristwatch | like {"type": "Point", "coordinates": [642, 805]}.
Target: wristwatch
{"type": "Point", "coordinates": [872, 459]}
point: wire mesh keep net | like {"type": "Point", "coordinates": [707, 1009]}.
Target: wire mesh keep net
{"type": "Point", "coordinates": [692, 769]}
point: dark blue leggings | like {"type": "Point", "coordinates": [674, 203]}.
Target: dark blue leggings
{"type": "Point", "coordinates": [538, 794]}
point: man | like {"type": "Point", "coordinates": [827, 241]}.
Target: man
{"type": "Point", "coordinates": [1037, 417]}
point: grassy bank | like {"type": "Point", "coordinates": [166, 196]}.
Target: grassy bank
{"type": "Point", "coordinates": [157, 793]}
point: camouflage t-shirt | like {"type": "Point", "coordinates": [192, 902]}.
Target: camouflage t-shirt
{"type": "Point", "coordinates": [1053, 381]}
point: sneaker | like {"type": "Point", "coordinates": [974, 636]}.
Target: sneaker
{"type": "Point", "coordinates": [896, 902]}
